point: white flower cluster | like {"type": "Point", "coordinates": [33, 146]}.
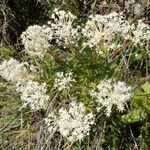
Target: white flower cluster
{"type": "Point", "coordinates": [36, 40]}
{"type": "Point", "coordinates": [101, 32]}
{"type": "Point", "coordinates": [134, 6]}
{"type": "Point", "coordinates": [63, 81]}
{"type": "Point", "coordinates": [32, 93]}
{"type": "Point", "coordinates": [128, 3]}
{"type": "Point", "coordinates": [103, 29]}
{"type": "Point", "coordinates": [73, 123]}
{"type": "Point", "coordinates": [111, 93]}
{"type": "Point", "coordinates": [13, 71]}
{"type": "Point", "coordinates": [62, 25]}
{"type": "Point", "coordinates": [141, 33]}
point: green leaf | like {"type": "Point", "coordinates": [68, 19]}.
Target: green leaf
{"type": "Point", "coordinates": [133, 116]}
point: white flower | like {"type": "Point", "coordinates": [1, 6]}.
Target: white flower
{"type": "Point", "coordinates": [111, 93]}
{"type": "Point", "coordinates": [129, 3]}
{"type": "Point", "coordinates": [73, 123]}
{"type": "Point", "coordinates": [51, 122]}
{"type": "Point", "coordinates": [104, 28]}
{"type": "Point", "coordinates": [36, 40]}
{"type": "Point", "coordinates": [132, 5]}
{"type": "Point", "coordinates": [138, 9]}
{"type": "Point", "coordinates": [63, 81]}
{"type": "Point", "coordinates": [33, 94]}
{"type": "Point", "coordinates": [141, 33]}
{"type": "Point", "coordinates": [13, 71]}
{"type": "Point", "coordinates": [62, 26]}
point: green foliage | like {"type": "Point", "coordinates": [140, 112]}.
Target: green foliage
{"type": "Point", "coordinates": [6, 52]}
{"type": "Point", "coordinates": [146, 88]}
{"type": "Point", "coordinates": [140, 105]}
{"type": "Point", "coordinates": [133, 116]}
